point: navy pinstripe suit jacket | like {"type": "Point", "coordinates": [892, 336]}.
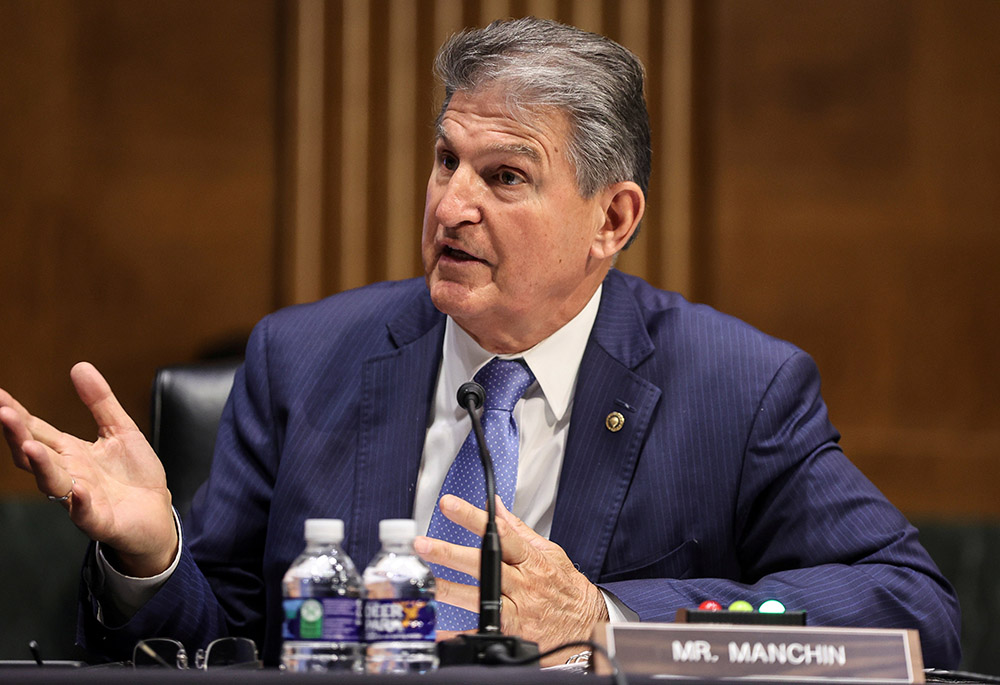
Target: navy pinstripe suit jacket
{"type": "Point", "coordinates": [726, 481]}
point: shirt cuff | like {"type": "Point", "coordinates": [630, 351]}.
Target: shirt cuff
{"type": "Point", "coordinates": [617, 611]}
{"type": "Point", "coordinates": [127, 594]}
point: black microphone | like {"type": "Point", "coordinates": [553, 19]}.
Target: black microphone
{"type": "Point", "coordinates": [471, 396]}
{"type": "Point", "coordinates": [488, 645]}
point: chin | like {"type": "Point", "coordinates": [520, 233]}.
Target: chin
{"type": "Point", "coordinates": [454, 299]}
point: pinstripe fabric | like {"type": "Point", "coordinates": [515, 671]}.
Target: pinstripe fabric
{"type": "Point", "coordinates": [725, 481]}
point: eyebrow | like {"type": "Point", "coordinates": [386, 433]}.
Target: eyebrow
{"type": "Point", "coordinates": [518, 149]}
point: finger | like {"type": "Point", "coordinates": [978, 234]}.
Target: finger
{"type": "Point", "coordinates": [81, 508]}
{"type": "Point", "coordinates": [458, 557]}
{"type": "Point", "coordinates": [95, 392]}
{"type": "Point", "coordinates": [7, 400]}
{"type": "Point", "coordinates": [467, 515]}
{"type": "Point", "coordinates": [52, 479]}
{"type": "Point", "coordinates": [19, 426]}
{"type": "Point", "coordinates": [509, 619]}
{"type": "Point", "coordinates": [473, 519]}
{"type": "Point", "coordinates": [516, 537]}
{"type": "Point", "coordinates": [457, 594]}
{"type": "Point", "coordinates": [15, 433]}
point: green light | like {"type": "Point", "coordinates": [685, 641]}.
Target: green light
{"type": "Point", "coordinates": [772, 606]}
{"type": "Point", "coordinates": [741, 605]}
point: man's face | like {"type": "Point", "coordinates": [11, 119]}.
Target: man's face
{"type": "Point", "coordinates": [507, 235]}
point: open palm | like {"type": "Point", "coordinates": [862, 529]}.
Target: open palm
{"type": "Point", "coordinates": [117, 488]}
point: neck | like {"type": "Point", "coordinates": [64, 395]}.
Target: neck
{"type": "Point", "coordinates": [508, 337]}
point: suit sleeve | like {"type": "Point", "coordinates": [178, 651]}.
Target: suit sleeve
{"type": "Point", "coordinates": [813, 532]}
{"type": "Point", "coordinates": [222, 594]}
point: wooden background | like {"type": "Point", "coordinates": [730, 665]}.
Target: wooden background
{"type": "Point", "coordinates": [826, 169]}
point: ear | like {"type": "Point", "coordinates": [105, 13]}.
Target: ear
{"type": "Point", "coordinates": [623, 205]}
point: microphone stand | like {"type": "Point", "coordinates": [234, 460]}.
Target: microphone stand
{"type": "Point", "coordinates": [488, 645]}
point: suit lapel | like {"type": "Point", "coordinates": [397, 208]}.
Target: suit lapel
{"type": "Point", "coordinates": [396, 396]}
{"type": "Point", "coordinates": [599, 462]}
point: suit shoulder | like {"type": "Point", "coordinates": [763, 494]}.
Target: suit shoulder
{"type": "Point", "coordinates": [370, 305]}
{"type": "Point", "coordinates": [358, 318]}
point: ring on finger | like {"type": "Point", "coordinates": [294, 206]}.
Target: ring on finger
{"type": "Point", "coordinates": [64, 498]}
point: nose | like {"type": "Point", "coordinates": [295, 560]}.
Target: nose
{"type": "Point", "coordinates": [459, 203]}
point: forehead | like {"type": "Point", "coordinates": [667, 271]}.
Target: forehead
{"type": "Point", "coordinates": [487, 119]}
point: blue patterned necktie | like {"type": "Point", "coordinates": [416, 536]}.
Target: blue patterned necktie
{"type": "Point", "coordinates": [505, 381]}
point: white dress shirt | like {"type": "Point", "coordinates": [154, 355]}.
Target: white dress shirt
{"type": "Point", "coordinates": [542, 417]}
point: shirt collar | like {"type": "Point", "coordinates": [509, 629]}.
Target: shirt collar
{"type": "Point", "coordinates": [555, 361]}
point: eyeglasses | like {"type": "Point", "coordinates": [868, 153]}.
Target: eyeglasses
{"type": "Point", "coordinates": [226, 652]}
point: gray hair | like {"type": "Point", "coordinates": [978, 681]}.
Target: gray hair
{"type": "Point", "coordinates": [542, 63]}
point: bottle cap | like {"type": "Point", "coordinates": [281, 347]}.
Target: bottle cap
{"type": "Point", "coordinates": [397, 530]}
{"type": "Point", "coordinates": [324, 530]}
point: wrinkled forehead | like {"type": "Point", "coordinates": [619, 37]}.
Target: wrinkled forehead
{"type": "Point", "coordinates": [497, 101]}
{"type": "Point", "coordinates": [516, 103]}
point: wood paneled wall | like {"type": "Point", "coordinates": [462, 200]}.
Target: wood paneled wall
{"type": "Point", "coordinates": [372, 60]}
{"type": "Point", "coordinates": [849, 161]}
{"type": "Point", "coordinates": [822, 168]}
{"type": "Point", "coordinates": [137, 191]}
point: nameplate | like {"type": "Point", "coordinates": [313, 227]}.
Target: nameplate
{"type": "Point", "coordinates": [774, 653]}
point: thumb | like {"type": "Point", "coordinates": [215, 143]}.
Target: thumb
{"type": "Point", "coordinates": [95, 392]}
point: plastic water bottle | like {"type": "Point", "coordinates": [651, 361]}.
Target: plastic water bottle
{"type": "Point", "coordinates": [400, 613]}
{"type": "Point", "coordinates": [323, 602]}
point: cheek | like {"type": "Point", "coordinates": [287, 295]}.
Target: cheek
{"type": "Point", "coordinates": [430, 204]}
{"type": "Point", "coordinates": [530, 259]}
{"type": "Point", "coordinates": [549, 245]}
{"type": "Point", "coordinates": [427, 256]}
{"type": "Point", "coordinates": [429, 228]}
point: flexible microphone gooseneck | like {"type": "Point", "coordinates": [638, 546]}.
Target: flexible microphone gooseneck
{"type": "Point", "coordinates": [471, 397]}
{"type": "Point", "coordinates": [488, 645]}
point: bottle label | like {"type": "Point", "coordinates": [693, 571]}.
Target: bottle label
{"type": "Point", "coordinates": [330, 619]}
{"type": "Point", "coordinates": [399, 619]}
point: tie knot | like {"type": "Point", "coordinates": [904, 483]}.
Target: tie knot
{"type": "Point", "coordinates": [505, 381]}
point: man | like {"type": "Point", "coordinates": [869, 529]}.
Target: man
{"type": "Point", "coordinates": [668, 454]}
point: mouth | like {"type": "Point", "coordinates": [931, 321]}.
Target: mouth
{"type": "Point", "coordinates": [454, 254]}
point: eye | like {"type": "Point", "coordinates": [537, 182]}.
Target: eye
{"type": "Point", "coordinates": [448, 161]}
{"type": "Point", "coordinates": [509, 178]}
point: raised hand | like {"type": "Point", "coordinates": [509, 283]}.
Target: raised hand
{"type": "Point", "coordinates": [114, 488]}
{"type": "Point", "coordinates": [545, 599]}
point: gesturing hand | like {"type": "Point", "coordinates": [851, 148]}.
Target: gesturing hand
{"type": "Point", "coordinates": [545, 599]}
{"type": "Point", "coordinates": [117, 489]}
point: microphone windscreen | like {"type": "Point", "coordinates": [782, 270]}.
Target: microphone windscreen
{"type": "Point", "coordinates": [471, 391]}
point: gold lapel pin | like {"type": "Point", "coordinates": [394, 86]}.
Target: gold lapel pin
{"type": "Point", "coordinates": [614, 422]}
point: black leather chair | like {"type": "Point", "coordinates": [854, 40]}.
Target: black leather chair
{"type": "Point", "coordinates": [968, 554]}
{"type": "Point", "coordinates": [187, 403]}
